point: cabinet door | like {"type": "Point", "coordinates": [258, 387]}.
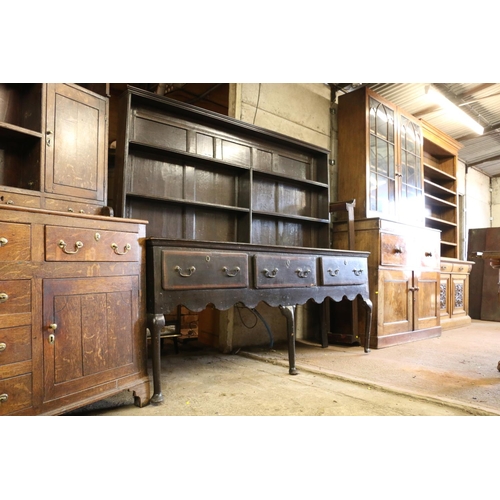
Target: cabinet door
{"type": "Point", "coordinates": [445, 296]}
{"type": "Point", "coordinates": [409, 172]}
{"type": "Point", "coordinates": [92, 340]}
{"type": "Point", "coordinates": [394, 302]}
{"type": "Point", "coordinates": [75, 144]}
{"type": "Point", "coordinates": [426, 288]}
{"type": "Point", "coordinates": [459, 294]}
{"type": "Point", "coordinates": [382, 159]}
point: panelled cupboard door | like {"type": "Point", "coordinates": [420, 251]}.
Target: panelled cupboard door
{"type": "Point", "coordinates": [88, 337]}
{"type": "Point", "coordinates": [395, 302]}
{"type": "Point", "coordinates": [75, 142]}
{"type": "Point", "coordinates": [426, 299]}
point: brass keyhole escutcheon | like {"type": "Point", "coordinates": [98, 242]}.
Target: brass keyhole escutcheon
{"type": "Point", "coordinates": [52, 337]}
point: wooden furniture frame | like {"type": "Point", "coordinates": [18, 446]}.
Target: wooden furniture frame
{"type": "Point", "coordinates": [72, 310]}
{"type": "Point", "coordinates": [198, 273]}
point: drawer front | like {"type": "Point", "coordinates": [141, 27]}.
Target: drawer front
{"type": "Point", "coordinates": [74, 244]}
{"type": "Point", "coordinates": [15, 297]}
{"type": "Point", "coordinates": [430, 254]}
{"type": "Point", "coordinates": [15, 394]}
{"type": "Point", "coordinates": [15, 241]}
{"type": "Point", "coordinates": [19, 200]}
{"type": "Point", "coordinates": [343, 271]}
{"type": "Point", "coordinates": [199, 270]}
{"type": "Point", "coordinates": [15, 344]}
{"type": "Point", "coordinates": [393, 250]}
{"type": "Point", "coordinates": [445, 267]}
{"type": "Point", "coordinates": [72, 207]}
{"type": "Point", "coordinates": [462, 268]}
{"type": "Point", "coordinates": [284, 271]}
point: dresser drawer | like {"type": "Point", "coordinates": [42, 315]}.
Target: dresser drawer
{"type": "Point", "coordinates": [343, 271]}
{"type": "Point", "coordinates": [72, 207]}
{"type": "Point", "coordinates": [284, 271]}
{"type": "Point", "coordinates": [74, 244]}
{"type": "Point", "coordinates": [15, 241]}
{"type": "Point", "coordinates": [19, 200]}
{"type": "Point", "coordinates": [15, 394]}
{"type": "Point", "coordinates": [197, 270]}
{"type": "Point", "coordinates": [15, 344]}
{"type": "Point", "coordinates": [430, 253]}
{"type": "Point", "coordinates": [446, 267]}
{"type": "Point", "coordinates": [15, 297]}
{"type": "Point", "coordinates": [393, 250]}
{"type": "Point", "coordinates": [461, 267]}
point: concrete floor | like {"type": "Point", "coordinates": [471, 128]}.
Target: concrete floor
{"type": "Point", "coordinates": [452, 375]}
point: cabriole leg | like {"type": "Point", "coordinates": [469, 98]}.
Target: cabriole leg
{"type": "Point", "coordinates": [369, 309]}
{"type": "Point", "coordinates": [289, 313]}
{"type": "Point", "coordinates": [156, 322]}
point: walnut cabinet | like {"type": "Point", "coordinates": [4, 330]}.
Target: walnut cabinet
{"type": "Point", "coordinates": [72, 310]}
{"type": "Point", "coordinates": [404, 278]}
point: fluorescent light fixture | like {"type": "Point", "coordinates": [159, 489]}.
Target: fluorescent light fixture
{"type": "Point", "coordinates": [453, 109]}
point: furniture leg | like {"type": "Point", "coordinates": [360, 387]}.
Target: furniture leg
{"type": "Point", "coordinates": [289, 313]}
{"type": "Point", "coordinates": [369, 309]}
{"type": "Point", "coordinates": [155, 324]}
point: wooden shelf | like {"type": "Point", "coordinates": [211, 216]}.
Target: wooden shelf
{"type": "Point", "coordinates": [434, 221]}
{"type": "Point", "coordinates": [433, 200]}
{"type": "Point", "coordinates": [13, 132]}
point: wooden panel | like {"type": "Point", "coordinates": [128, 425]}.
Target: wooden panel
{"type": "Point", "coordinates": [94, 338]}
{"type": "Point", "coordinates": [195, 270]}
{"type": "Point", "coordinates": [15, 344]}
{"type": "Point", "coordinates": [393, 298]}
{"type": "Point", "coordinates": [427, 311]}
{"type": "Point", "coordinates": [76, 145]}
{"type": "Point", "coordinates": [154, 131]}
{"type": "Point", "coordinates": [18, 244]}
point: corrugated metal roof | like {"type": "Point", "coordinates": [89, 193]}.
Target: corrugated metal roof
{"type": "Point", "coordinates": [480, 100]}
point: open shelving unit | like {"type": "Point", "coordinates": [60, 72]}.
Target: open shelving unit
{"type": "Point", "coordinates": [198, 175]}
{"type": "Point", "coordinates": [440, 155]}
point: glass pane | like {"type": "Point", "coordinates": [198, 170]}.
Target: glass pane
{"type": "Point", "coordinates": [373, 153]}
{"type": "Point", "coordinates": [381, 120]}
{"type": "Point", "coordinates": [382, 194]}
{"type": "Point", "coordinates": [373, 191]}
{"type": "Point", "coordinates": [382, 157]}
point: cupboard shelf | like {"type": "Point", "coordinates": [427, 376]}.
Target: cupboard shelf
{"type": "Point", "coordinates": [435, 173]}
{"type": "Point", "coordinates": [14, 132]}
{"type": "Point", "coordinates": [194, 203]}
{"type": "Point", "coordinates": [289, 216]}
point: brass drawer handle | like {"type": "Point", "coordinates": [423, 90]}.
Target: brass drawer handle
{"type": "Point", "coordinates": [3, 297]}
{"type": "Point", "coordinates": [428, 254]}
{"type": "Point", "coordinates": [357, 272]}
{"type": "Point", "coordinates": [3, 346]}
{"type": "Point", "coordinates": [3, 242]}
{"type": "Point", "coordinates": [398, 250]}
{"type": "Point", "coordinates": [331, 272]}
{"type": "Point", "coordinates": [191, 270]}
{"type": "Point", "coordinates": [232, 274]}
{"type": "Point", "coordinates": [78, 245]}
{"type": "Point", "coordinates": [3, 398]}
{"type": "Point", "coordinates": [302, 274]}
{"type": "Point", "coordinates": [270, 274]}
{"type": "Point", "coordinates": [126, 248]}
